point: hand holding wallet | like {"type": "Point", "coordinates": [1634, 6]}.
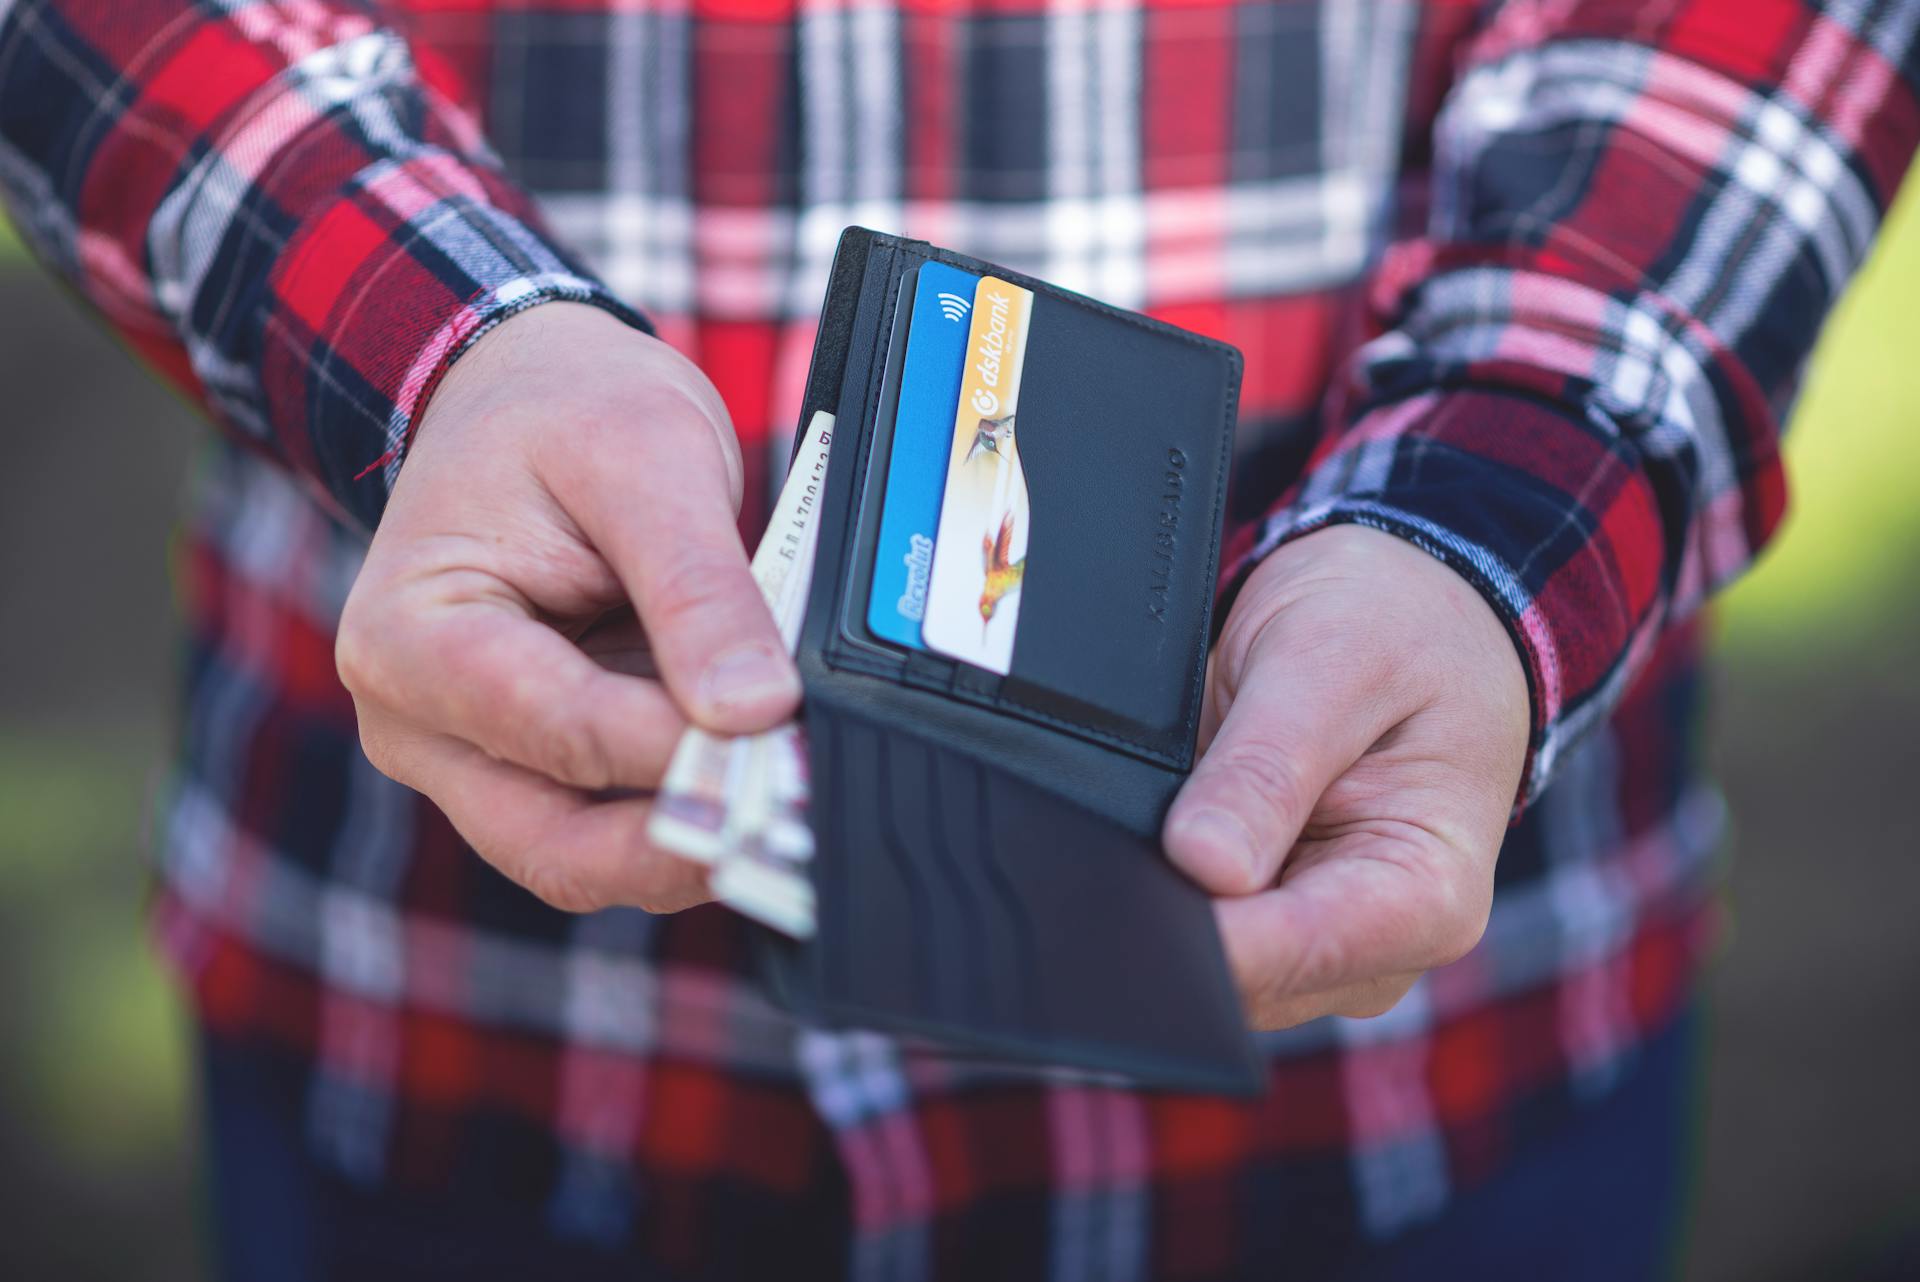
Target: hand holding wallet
{"type": "Point", "coordinates": [998, 715]}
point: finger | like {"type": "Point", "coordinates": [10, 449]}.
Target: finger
{"type": "Point", "coordinates": [1351, 910]}
{"type": "Point", "coordinates": [1368, 999]}
{"type": "Point", "coordinates": [576, 854]}
{"type": "Point", "coordinates": [1300, 717]}
{"type": "Point", "coordinates": [485, 673]}
{"type": "Point", "coordinates": [671, 538]}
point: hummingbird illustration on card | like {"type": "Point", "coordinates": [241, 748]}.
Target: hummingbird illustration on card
{"type": "Point", "coordinates": [980, 552]}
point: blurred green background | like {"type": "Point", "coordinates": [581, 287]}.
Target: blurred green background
{"type": "Point", "coordinates": [1810, 1157]}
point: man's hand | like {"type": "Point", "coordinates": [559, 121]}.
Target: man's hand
{"type": "Point", "coordinates": [567, 465]}
{"type": "Point", "coordinates": [1372, 723]}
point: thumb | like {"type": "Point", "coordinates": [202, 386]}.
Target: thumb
{"type": "Point", "coordinates": [660, 505]}
{"type": "Point", "coordinates": [1297, 717]}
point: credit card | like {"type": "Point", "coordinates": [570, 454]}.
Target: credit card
{"type": "Point", "coordinates": [980, 549]}
{"type": "Point", "coordinates": [917, 468]}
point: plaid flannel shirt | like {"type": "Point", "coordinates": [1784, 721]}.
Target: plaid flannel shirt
{"type": "Point", "coordinates": [1528, 283]}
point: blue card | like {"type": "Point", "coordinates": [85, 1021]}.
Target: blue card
{"type": "Point", "coordinates": [922, 438]}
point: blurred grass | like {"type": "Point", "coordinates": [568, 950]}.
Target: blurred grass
{"type": "Point", "coordinates": [100, 1069]}
{"type": "Point", "coordinates": [1840, 577]}
{"type": "Point", "coordinates": [103, 1067]}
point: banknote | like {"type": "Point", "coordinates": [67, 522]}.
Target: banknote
{"type": "Point", "coordinates": [763, 872]}
{"type": "Point", "coordinates": [689, 814]}
{"type": "Point", "coordinates": [739, 803]}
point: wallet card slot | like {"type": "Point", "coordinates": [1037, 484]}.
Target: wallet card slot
{"type": "Point", "coordinates": [907, 862]}
{"type": "Point", "coordinates": [1111, 639]}
{"type": "Point", "coordinates": [865, 400]}
{"type": "Point", "coordinates": [875, 444]}
{"type": "Point", "coordinates": [970, 893]}
{"type": "Point", "coordinates": [1124, 438]}
{"type": "Point", "coordinates": [1026, 954]}
{"type": "Point", "coordinates": [1059, 938]}
{"type": "Point", "coordinates": [1126, 474]}
{"type": "Point", "coordinates": [935, 982]}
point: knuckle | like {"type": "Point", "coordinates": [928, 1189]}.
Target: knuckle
{"type": "Point", "coordinates": [714, 434]}
{"type": "Point", "coordinates": [1238, 637]}
{"type": "Point", "coordinates": [1265, 1013]}
{"type": "Point", "coordinates": [355, 657]}
{"type": "Point", "coordinates": [1462, 940]}
{"type": "Point", "coordinates": [664, 902]}
{"type": "Point", "coordinates": [463, 656]}
{"type": "Point", "coordinates": [554, 883]}
{"type": "Point", "coordinates": [1262, 1017]}
{"type": "Point", "coordinates": [569, 750]}
{"type": "Point", "coordinates": [378, 750]}
{"type": "Point", "coordinates": [1283, 982]}
{"type": "Point", "coordinates": [1275, 1014]}
{"type": "Point", "coordinates": [1263, 770]}
{"type": "Point", "coordinates": [668, 884]}
{"type": "Point", "coordinates": [1311, 966]}
{"type": "Point", "coordinates": [1460, 920]}
{"type": "Point", "coordinates": [1376, 1000]}
{"type": "Point", "coordinates": [1413, 674]}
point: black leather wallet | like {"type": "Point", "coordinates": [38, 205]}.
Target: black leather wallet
{"type": "Point", "coordinates": [988, 866]}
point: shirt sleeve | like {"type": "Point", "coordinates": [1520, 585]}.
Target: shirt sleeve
{"type": "Point", "coordinates": [283, 208]}
{"type": "Point", "coordinates": [1641, 216]}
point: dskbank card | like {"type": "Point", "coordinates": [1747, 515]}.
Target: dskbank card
{"type": "Point", "coordinates": [980, 551]}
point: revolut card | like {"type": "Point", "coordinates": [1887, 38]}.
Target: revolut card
{"type": "Point", "coordinates": [980, 551]}
{"type": "Point", "coordinates": [937, 332]}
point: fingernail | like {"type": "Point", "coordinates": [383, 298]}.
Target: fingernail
{"type": "Point", "coordinates": [1221, 841]}
{"type": "Point", "coordinates": [747, 676]}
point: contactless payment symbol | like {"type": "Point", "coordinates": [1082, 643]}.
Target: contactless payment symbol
{"type": "Point", "coordinates": [954, 307]}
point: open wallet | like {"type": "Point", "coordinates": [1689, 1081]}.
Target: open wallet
{"type": "Point", "coordinates": [987, 866]}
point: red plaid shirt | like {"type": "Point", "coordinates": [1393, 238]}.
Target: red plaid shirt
{"type": "Point", "coordinates": [1528, 283]}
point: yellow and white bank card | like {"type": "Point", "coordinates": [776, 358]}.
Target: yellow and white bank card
{"type": "Point", "coordinates": [980, 551]}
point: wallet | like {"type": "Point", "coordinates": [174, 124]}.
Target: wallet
{"type": "Point", "coordinates": [987, 866]}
